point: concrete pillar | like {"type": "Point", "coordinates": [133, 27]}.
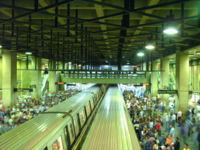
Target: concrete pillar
{"type": "Point", "coordinates": [198, 77]}
{"type": "Point", "coordinates": [52, 77]}
{"type": "Point", "coordinates": [0, 78]}
{"type": "Point", "coordinates": [148, 77]}
{"type": "Point", "coordinates": [154, 79]}
{"type": "Point", "coordinates": [164, 73]}
{"type": "Point", "coordinates": [144, 66]}
{"type": "Point", "coordinates": [182, 78]}
{"type": "Point", "coordinates": [9, 75]}
{"type": "Point", "coordinates": [37, 77]}
{"type": "Point", "coordinates": [25, 75]}
{"type": "Point", "coordinates": [172, 76]}
{"type": "Point", "coordinates": [164, 77]}
{"type": "Point", "coordinates": [195, 78]}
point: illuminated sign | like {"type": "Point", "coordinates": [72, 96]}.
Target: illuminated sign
{"type": "Point", "coordinates": [60, 83]}
{"type": "Point", "coordinates": [146, 83]}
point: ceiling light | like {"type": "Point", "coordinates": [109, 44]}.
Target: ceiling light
{"type": "Point", "coordinates": [190, 54]}
{"type": "Point", "coordinates": [140, 54]}
{"type": "Point", "coordinates": [28, 53]}
{"type": "Point", "coordinates": [170, 25]}
{"type": "Point", "coordinates": [194, 58]}
{"type": "Point", "coordinates": [198, 52]}
{"type": "Point", "coordinates": [149, 46]}
{"type": "Point", "coordinates": [170, 31]}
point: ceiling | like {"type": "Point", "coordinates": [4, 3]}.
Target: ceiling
{"type": "Point", "coordinates": [97, 31]}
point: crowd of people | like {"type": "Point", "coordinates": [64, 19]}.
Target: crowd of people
{"type": "Point", "coordinates": [27, 108]}
{"type": "Point", "coordinates": [159, 127]}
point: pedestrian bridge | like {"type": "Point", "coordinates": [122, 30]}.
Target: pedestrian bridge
{"type": "Point", "coordinates": [104, 77]}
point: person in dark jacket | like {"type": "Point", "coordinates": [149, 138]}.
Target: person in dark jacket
{"type": "Point", "coordinates": [198, 138]}
{"type": "Point", "coordinates": [177, 144]}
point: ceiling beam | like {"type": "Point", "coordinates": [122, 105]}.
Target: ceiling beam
{"type": "Point", "coordinates": [46, 7]}
{"type": "Point", "coordinates": [138, 10]}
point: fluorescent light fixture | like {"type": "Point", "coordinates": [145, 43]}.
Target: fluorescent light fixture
{"type": "Point", "coordinates": [28, 53]}
{"type": "Point", "coordinates": [149, 46]}
{"type": "Point", "coordinates": [170, 31]}
{"type": "Point", "coordinates": [194, 58]}
{"type": "Point", "coordinates": [198, 52]}
{"type": "Point", "coordinates": [140, 54]}
{"type": "Point", "coordinates": [140, 72]}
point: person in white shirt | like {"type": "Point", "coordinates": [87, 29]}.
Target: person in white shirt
{"type": "Point", "coordinates": [172, 130]}
{"type": "Point", "coordinates": [179, 115]}
{"type": "Point", "coordinates": [173, 118]}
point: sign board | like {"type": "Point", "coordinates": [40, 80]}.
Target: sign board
{"type": "Point", "coordinates": [146, 83]}
{"type": "Point", "coordinates": [60, 83]}
{"type": "Point", "coordinates": [23, 89]}
{"type": "Point", "coordinates": [141, 84]}
{"type": "Point", "coordinates": [71, 84]}
{"type": "Point", "coordinates": [167, 91]}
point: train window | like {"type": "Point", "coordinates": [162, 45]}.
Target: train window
{"type": "Point", "coordinates": [46, 148]}
{"type": "Point", "coordinates": [76, 125]}
{"type": "Point", "coordinates": [72, 130]}
{"type": "Point", "coordinates": [67, 136]}
{"type": "Point", "coordinates": [57, 145]}
{"type": "Point", "coordinates": [82, 117]}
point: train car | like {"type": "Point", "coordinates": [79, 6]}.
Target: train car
{"type": "Point", "coordinates": [55, 129]}
{"type": "Point", "coordinates": [112, 128]}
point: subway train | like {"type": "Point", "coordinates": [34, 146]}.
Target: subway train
{"type": "Point", "coordinates": [111, 128]}
{"type": "Point", "coordinates": [57, 128]}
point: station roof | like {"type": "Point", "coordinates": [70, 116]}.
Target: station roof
{"type": "Point", "coordinates": [98, 31]}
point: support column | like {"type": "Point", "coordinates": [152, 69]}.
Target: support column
{"type": "Point", "coordinates": [164, 73]}
{"type": "Point", "coordinates": [37, 77]}
{"type": "Point", "coordinates": [198, 79]}
{"type": "Point", "coordinates": [195, 77]}
{"type": "Point", "coordinates": [148, 77]}
{"type": "Point", "coordinates": [154, 79]}
{"type": "Point", "coordinates": [182, 78]}
{"type": "Point", "coordinates": [52, 77]}
{"type": "Point", "coordinates": [172, 76]}
{"type": "Point", "coordinates": [9, 75]}
{"type": "Point", "coordinates": [144, 66]}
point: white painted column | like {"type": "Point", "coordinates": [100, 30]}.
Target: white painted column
{"type": "Point", "coordinates": [164, 73]}
{"type": "Point", "coordinates": [52, 77]}
{"type": "Point", "coordinates": [154, 79]}
{"type": "Point", "coordinates": [182, 80]}
{"type": "Point", "coordinates": [37, 77]}
{"type": "Point", "coordinates": [9, 77]}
